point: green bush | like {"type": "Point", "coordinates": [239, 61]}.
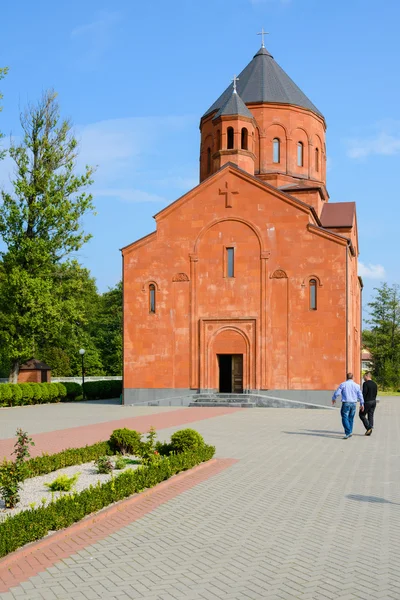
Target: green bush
{"type": "Point", "coordinates": [186, 440]}
{"type": "Point", "coordinates": [30, 525]}
{"type": "Point", "coordinates": [36, 393]}
{"type": "Point", "coordinates": [27, 393]}
{"type": "Point", "coordinates": [103, 390]}
{"type": "Point", "coordinates": [63, 483]}
{"type": "Point", "coordinates": [73, 389]}
{"type": "Point", "coordinates": [120, 463]}
{"type": "Point", "coordinates": [126, 441]}
{"type": "Point", "coordinates": [53, 391]}
{"type": "Point", "coordinates": [62, 391]}
{"type": "Point", "coordinates": [45, 393]}
{"type": "Point", "coordinates": [41, 465]}
{"type": "Point", "coordinates": [16, 394]}
{"type": "Point", "coordinates": [6, 394]}
{"type": "Point", "coordinates": [104, 465]}
{"type": "Point", "coordinates": [10, 479]}
{"type": "Point", "coordinates": [164, 448]}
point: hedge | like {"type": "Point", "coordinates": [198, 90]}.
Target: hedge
{"type": "Point", "coordinates": [104, 389]}
{"type": "Point", "coordinates": [30, 525]}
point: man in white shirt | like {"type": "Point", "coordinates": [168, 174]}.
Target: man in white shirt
{"type": "Point", "coordinates": [350, 392]}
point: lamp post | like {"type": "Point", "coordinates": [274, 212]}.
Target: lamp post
{"type": "Point", "coordinates": [82, 353]}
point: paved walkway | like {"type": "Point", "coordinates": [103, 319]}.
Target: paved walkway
{"type": "Point", "coordinates": [303, 514]}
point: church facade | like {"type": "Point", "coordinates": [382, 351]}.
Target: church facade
{"type": "Point", "coordinates": [249, 282]}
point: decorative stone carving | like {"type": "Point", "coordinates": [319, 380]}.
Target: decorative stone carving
{"type": "Point", "coordinates": [279, 274]}
{"type": "Point", "coordinates": [180, 277]}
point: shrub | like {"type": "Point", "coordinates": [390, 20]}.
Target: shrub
{"type": "Point", "coordinates": [6, 394]}
{"type": "Point", "coordinates": [120, 463]}
{"type": "Point", "coordinates": [186, 440]}
{"type": "Point", "coordinates": [16, 394]}
{"type": "Point", "coordinates": [30, 525]}
{"type": "Point", "coordinates": [104, 389]}
{"type": "Point", "coordinates": [73, 389]}
{"type": "Point", "coordinates": [27, 393]}
{"type": "Point", "coordinates": [147, 449]}
{"type": "Point", "coordinates": [163, 448]}
{"type": "Point", "coordinates": [62, 391]}
{"type": "Point", "coordinates": [63, 483]}
{"type": "Point", "coordinates": [53, 391]}
{"type": "Point", "coordinates": [36, 393]}
{"type": "Point", "coordinates": [45, 393]}
{"type": "Point", "coordinates": [9, 483]}
{"type": "Point", "coordinates": [41, 465]}
{"type": "Point", "coordinates": [104, 464]}
{"type": "Point", "coordinates": [126, 441]}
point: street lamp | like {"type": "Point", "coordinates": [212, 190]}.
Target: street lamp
{"type": "Point", "coordinates": [82, 353]}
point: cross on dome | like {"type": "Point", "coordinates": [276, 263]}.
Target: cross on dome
{"type": "Point", "coordinates": [235, 79]}
{"type": "Point", "coordinates": [262, 33]}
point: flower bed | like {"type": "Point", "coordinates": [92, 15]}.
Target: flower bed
{"type": "Point", "coordinates": [161, 461]}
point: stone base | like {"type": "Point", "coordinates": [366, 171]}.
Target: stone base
{"type": "Point", "coordinates": [158, 396]}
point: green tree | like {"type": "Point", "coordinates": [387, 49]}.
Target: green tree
{"type": "Point", "coordinates": [40, 225]}
{"type": "Point", "coordinates": [383, 336]}
{"type": "Point", "coordinates": [3, 73]}
{"type": "Point", "coordinates": [107, 330]}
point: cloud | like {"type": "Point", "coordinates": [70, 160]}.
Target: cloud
{"type": "Point", "coordinates": [93, 39]}
{"type": "Point", "coordinates": [384, 141]}
{"type": "Point", "coordinates": [371, 271]}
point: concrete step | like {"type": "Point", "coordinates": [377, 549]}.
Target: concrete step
{"type": "Point", "coordinates": [226, 404]}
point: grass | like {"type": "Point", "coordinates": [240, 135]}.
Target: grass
{"type": "Point", "coordinates": [388, 393]}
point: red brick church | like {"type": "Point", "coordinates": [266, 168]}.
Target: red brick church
{"type": "Point", "coordinates": [249, 282]}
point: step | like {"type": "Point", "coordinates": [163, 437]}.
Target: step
{"type": "Point", "coordinates": [211, 403]}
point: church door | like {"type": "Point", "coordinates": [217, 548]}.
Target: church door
{"type": "Point", "coordinates": [230, 373]}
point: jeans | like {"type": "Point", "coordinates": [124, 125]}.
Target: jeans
{"type": "Point", "coordinates": [367, 417]}
{"type": "Point", "coordinates": [347, 412]}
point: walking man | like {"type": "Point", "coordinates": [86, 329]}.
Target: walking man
{"type": "Point", "coordinates": [350, 392]}
{"type": "Point", "coordinates": [370, 390]}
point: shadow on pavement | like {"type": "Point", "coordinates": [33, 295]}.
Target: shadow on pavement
{"type": "Point", "coordinates": [112, 401]}
{"type": "Point", "coordinates": [371, 499]}
{"type": "Point", "coordinates": [330, 434]}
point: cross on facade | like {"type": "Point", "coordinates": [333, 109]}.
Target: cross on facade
{"type": "Point", "coordinates": [262, 33]}
{"type": "Point", "coordinates": [228, 195]}
{"type": "Point", "coordinates": [235, 79]}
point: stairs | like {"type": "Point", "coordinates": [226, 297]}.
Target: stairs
{"type": "Point", "coordinates": [233, 400]}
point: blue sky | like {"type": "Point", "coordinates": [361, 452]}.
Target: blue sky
{"type": "Point", "coordinates": [135, 78]}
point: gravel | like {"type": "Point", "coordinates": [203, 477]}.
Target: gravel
{"type": "Point", "coordinates": [34, 491]}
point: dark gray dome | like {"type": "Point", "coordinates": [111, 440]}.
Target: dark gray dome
{"type": "Point", "coordinates": [234, 106]}
{"type": "Point", "coordinates": [263, 80]}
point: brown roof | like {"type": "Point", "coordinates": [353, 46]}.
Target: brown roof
{"type": "Point", "coordinates": [34, 364]}
{"type": "Point", "coordinates": [366, 355]}
{"type": "Point", "coordinates": [338, 214]}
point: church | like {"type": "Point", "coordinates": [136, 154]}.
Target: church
{"type": "Point", "coordinates": [249, 283]}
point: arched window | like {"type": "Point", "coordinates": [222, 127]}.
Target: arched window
{"type": "Point", "coordinates": [208, 161]}
{"type": "Point", "coordinates": [229, 132]}
{"type": "Point", "coordinates": [313, 294]}
{"type": "Point", "coordinates": [276, 150]}
{"type": "Point", "coordinates": [316, 159]}
{"type": "Point", "coordinates": [152, 298]}
{"type": "Point", "coordinates": [300, 154]}
{"type": "Point", "coordinates": [218, 139]}
{"type": "Point", "coordinates": [244, 138]}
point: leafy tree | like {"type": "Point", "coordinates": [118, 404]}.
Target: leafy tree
{"type": "Point", "coordinates": [3, 73]}
{"type": "Point", "coordinates": [107, 330]}
{"type": "Point", "coordinates": [383, 336]}
{"type": "Point", "coordinates": [40, 226]}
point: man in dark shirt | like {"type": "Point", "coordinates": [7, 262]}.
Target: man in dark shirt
{"type": "Point", "coordinates": [370, 390]}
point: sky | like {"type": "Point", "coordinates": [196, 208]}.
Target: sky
{"type": "Point", "coordinates": [135, 77]}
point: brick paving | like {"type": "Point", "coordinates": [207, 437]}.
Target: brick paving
{"type": "Point", "coordinates": [55, 441]}
{"type": "Point", "coordinates": [303, 514]}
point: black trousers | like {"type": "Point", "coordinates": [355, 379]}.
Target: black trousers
{"type": "Point", "coordinates": [367, 417]}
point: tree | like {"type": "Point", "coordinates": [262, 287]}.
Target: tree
{"type": "Point", "coordinates": [383, 336]}
{"type": "Point", "coordinates": [3, 73]}
{"type": "Point", "coordinates": [40, 226]}
{"type": "Point", "coordinates": [107, 330]}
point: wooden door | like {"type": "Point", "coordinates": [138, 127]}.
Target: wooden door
{"type": "Point", "coordinates": [237, 373]}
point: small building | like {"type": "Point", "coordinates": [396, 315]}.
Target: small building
{"type": "Point", "coordinates": [34, 371]}
{"type": "Point", "coordinates": [366, 360]}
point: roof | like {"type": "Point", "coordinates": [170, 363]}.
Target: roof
{"type": "Point", "coordinates": [338, 214]}
{"type": "Point", "coordinates": [366, 354]}
{"type": "Point", "coordinates": [234, 106]}
{"type": "Point", "coordinates": [33, 364]}
{"type": "Point", "coordinates": [263, 80]}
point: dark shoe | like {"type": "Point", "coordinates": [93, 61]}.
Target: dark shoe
{"type": "Point", "coordinates": [369, 431]}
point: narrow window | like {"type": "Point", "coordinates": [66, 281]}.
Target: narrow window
{"type": "Point", "coordinates": [244, 138]}
{"type": "Point", "coordinates": [208, 161]}
{"type": "Point", "coordinates": [300, 153]}
{"type": "Point", "coordinates": [313, 294]}
{"type": "Point", "coordinates": [218, 139]}
{"type": "Point", "coordinates": [276, 150]}
{"type": "Point", "coordinates": [230, 262]}
{"type": "Point", "coordinates": [230, 137]}
{"type": "Point", "coordinates": [316, 159]}
{"type": "Point", "coordinates": [152, 298]}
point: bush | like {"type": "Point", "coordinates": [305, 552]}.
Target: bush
{"type": "Point", "coordinates": [62, 391]}
{"type": "Point", "coordinates": [27, 393]}
{"type": "Point", "coordinates": [103, 390]}
{"type": "Point", "coordinates": [53, 391]}
{"type": "Point", "coordinates": [6, 394]}
{"type": "Point", "coordinates": [45, 393]}
{"type": "Point", "coordinates": [30, 525]}
{"type": "Point", "coordinates": [9, 483]}
{"type": "Point", "coordinates": [104, 465]}
{"type": "Point", "coordinates": [41, 465]}
{"type": "Point", "coordinates": [164, 448]}
{"type": "Point", "coordinates": [16, 394]}
{"type": "Point", "coordinates": [126, 441]}
{"type": "Point", "coordinates": [63, 483]}
{"type": "Point", "coordinates": [186, 440]}
{"type": "Point", "coordinates": [73, 389]}
{"type": "Point", "coordinates": [36, 393]}
{"type": "Point", "coordinates": [120, 463]}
